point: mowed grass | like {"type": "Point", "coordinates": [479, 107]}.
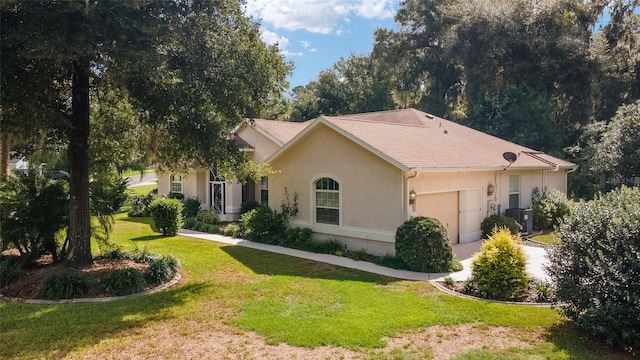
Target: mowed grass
{"type": "Point", "coordinates": [141, 189]}
{"type": "Point", "coordinates": [283, 299]}
{"type": "Point", "coordinates": [547, 237]}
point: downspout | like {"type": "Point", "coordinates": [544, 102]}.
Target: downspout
{"type": "Point", "coordinates": [406, 194]}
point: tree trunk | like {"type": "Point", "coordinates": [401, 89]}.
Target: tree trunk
{"type": "Point", "coordinates": [79, 217]}
{"type": "Point", "coordinates": [5, 148]}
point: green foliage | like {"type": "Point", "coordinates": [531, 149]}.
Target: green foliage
{"type": "Point", "coordinates": [124, 282]}
{"type": "Point", "coordinates": [231, 230]}
{"type": "Point", "coordinates": [210, 216]}
{"type": "Point", "coordinates": [197, 225]}
{"type": "Point", "coordinates": [596, 266]}
{"type": "Point", "coordinates": [288, 209]}
{"type": "Point", "coordinates": [33, 209]}
{"type": "Point", "coordinates": [549, 208]}
{"type": "Point", "coordinates": [176, 195]}
{"type": "Point", "coordinates": [64, 284]}
{"type": "Point", "coordinates": [110, 195]}
{"type": "Point", "coordinates": [295, 237]}
{"type": "Point", "coordinates": [248, 206]}
{"type": "Point", "coordinates": [330, 246]}
{"type": "Point", "coordinates": [11, 269]}
{"type": "Point", "coordinates": [360, 254]}
{"type": "Point", "coordinates": [423, 245]}
{"type": "Point", "coordinates": [498, 221]}
{"type": "Point", "coordinates": [167, 215]}
{"type": "Point", "coordinates": [190, 207]}
{"type": "Point", "coordinates": [161, 269]}
{"type": "Point", "coordinates": [262, 225]}
{"type": "Point", "coordinates": [390, 261]}
{"type": "Point", "coordinates": [140, 205]}
{"type": "Point", "coordinates": [499, 270]}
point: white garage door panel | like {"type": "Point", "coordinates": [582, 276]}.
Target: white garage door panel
{"type": "Point", "coordinates": [470, 215]}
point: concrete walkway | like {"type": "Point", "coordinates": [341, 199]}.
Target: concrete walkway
{"type": "Point", "coordinates": [463, 252]}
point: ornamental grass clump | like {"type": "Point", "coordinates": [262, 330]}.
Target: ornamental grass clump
{"type": "Point", "coordinates": [499, 270]}
{"type": "Point", "coordinates": [64, 284]}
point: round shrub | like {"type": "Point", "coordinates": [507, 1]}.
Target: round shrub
{"type": "Point", "coordinates": [499, 221]}
{"type": "Point", "coordinates": [423, 244]}
{"type": "Point", "coordinates": [262, 225]}
{"type": "Point", "coordinates": [499, 271]}
{"type": "Point", "coordinates": [167, 215]}
{"type": "Point", "coordinates": [140, 205]}
{"type": "Point", "coordinates": [124, 282]}
{"type": "Point", "coordinates": [11, 269]}
{"type": "Point", "coordinates": [210, 216]}
{"type": "Point", "coordinates": [596, 266]}
{"type": "Point", "coordinates": [64, 284]}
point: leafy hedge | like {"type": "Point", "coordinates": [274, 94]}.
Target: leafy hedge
{"type": "Point", "coordinates": [167, 215]}
{"type": "Point", "coordinates": [549, 208]}
{"type": "Point", "coordinates": [596, 267]}
{"type": "Point", "coordinates": [422, 243]}
{"type": "Point", "coordinates": [498, 221]}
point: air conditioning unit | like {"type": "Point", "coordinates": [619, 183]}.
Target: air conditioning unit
{"type": "Point", "coordinates": [524, 217]}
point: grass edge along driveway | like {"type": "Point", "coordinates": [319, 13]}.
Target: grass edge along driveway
{"type": "Point", "coordinates": [283, 299]}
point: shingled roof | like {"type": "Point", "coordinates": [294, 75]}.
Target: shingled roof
{"type": "Point", "coordinates": [414, 140]}
{"type": "Point", "coordinates": [280, 132]}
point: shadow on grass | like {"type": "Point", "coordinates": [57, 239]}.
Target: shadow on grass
{"type": "Point", "coordinates": [267, 263]}
{"type": "Point", "coordinates": [43, 331]}
{"type": "Point", "coordinates": [141, 220]}
{"type": "Point", "coordinates": [149, 238]}
{"type": "Point", "coordinates": [578, 345]}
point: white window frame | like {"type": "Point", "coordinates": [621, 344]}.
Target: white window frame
{"type": "Point", "coordinates": [514, 191]}
{"type": "Point", "coordinates": [176, 180]}
{"type": "Point", "coordinates": [317, 191]}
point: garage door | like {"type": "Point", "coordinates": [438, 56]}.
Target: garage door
{"type": "Point", "coordinates": [470, 215]}
{"type": "Point", "coordinates": [444, 207]}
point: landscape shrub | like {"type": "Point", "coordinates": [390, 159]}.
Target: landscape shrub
{"type": "Point", "coordinates": [596, 266]}
{"type": "Point", "coordinates": [33, 209]}
{"type": "Point", "coordinates": [390, 261]}
{"type": "Point", "coordinates": [231, 230]}
{"type": "Point", "coordinates": [296, 236]}
{"type": "Point", "coordinates": [549, 208]}
{"type": "Point", "coordinates": [248, 206]}
{"type": "Point", "coordinates": [64, 284]}
{"type": "Point", "coordinates": [499, 271]}
{"type": "Point", "coordinates": [190, 207]}
{"type": "Point", "coordinates": [11, 269]}
{"type": "Point", "coordinates": [210, 216]}
{"type": "Point", "coordinates": [161, 269]}
{"type": "Point", "coordinates": [176, 195]}
{"type": "Point", "coordinates": [167, 215]}
{"type": "Point", "coordinates": [422, 244]}
{"type": "Point", "coordinates": [140, 205]}
{"type": "Point", "coordinates": [360, 254]}
{"type": "Point", "coordinates": [111, 194]}
{"type": "Point", "coordinates": [262, 225]}
{"type": "Point", "coordinates": [499, 221]}
{"type": "Point", "coordinates": [330, 246]}
{"type": "Point", "coordinates": [124, 282]}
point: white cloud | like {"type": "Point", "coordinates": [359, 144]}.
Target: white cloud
{"type": "Point", "coordinates": [290, 54]}
{"type": "Point", "coordinates": [305, 44]}
{"type": "Point", "coordinates": [317, 16]}
{"type": "Point", "coordinates": [271, 38]}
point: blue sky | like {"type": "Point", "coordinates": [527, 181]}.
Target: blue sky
{"type": "Point", "coordinates": [314, 34]}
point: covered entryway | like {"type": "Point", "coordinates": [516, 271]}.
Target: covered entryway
{"type": "Point", "coordinates": [444, 207]}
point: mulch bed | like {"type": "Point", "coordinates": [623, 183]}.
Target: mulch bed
{"type": "Point", "coordinates": [529, 297]}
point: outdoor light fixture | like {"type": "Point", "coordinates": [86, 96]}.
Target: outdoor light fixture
{"type": "Point", "coordinates": [412, 199]}
{"type": "Point", "coordinates": [490, 189]}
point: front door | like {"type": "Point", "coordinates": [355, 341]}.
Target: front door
{"type": "Point", "coordinates": [217, 192]}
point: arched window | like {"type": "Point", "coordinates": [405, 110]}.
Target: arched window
{"type": "Point", "coordinates": [327, 193]}
{"type": "Point", "coordinates": [176, 183]}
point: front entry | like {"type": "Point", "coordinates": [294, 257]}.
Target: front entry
{"type": "Point", "coordinates": [217, 193]}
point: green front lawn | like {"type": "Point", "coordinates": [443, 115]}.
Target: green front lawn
{"type": "Point", "coordinates": [546, 237]}
{"type": "Point", "coordinates": [282, 299]}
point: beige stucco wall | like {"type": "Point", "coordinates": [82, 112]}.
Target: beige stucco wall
{"type": "Point", "coordinates": [371, 189]}
{"type": "Point", "coordinates": [263, 147]}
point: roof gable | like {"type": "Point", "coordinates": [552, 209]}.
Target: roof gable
{"type": "Point", "coordinates": [413, 140]}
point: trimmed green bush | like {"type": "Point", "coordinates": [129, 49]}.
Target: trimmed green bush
{"type": "Point", "coordinates": [549, 208]}
{"type": "Point", "coordinates": [422, 243]}
{"type": "Point", "coordinates": [167, 215]}
{"type": "Point", "coordinates": [176, 195]}
{"type": "Point", "coordinates": [262, 225]}
{"type": "Point", "coordinates": [190, 207]}
{"type": "Point", "coordinates": [248, 206]}
{"type": "Point", "coordinates": [210, 216]}
{"type": "Point", "coordinates": [296, 236]}
{"type": "Point", "coordinates": [499, 271]}
{"type": "Point", "coordinates": [64, 284]}
{"type": "Point", "coordinates": [596, 266]}
{"type": "Point", "coordinates": [498, 221]}
{"type": "Point", "coordinates": [124, 282]}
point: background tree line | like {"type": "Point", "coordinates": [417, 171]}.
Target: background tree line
{"type": "Point", "coordinates": [547, 74]}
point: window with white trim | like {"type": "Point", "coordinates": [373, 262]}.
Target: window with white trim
{"type": "Point", "coordinates": [327, 192]}
{"type": "Point", "coordinates": [514, 191]}
{"type": "Point", "coordinates": [264, 190]}
{"type": "Point", "coordinates": [176, 183]}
